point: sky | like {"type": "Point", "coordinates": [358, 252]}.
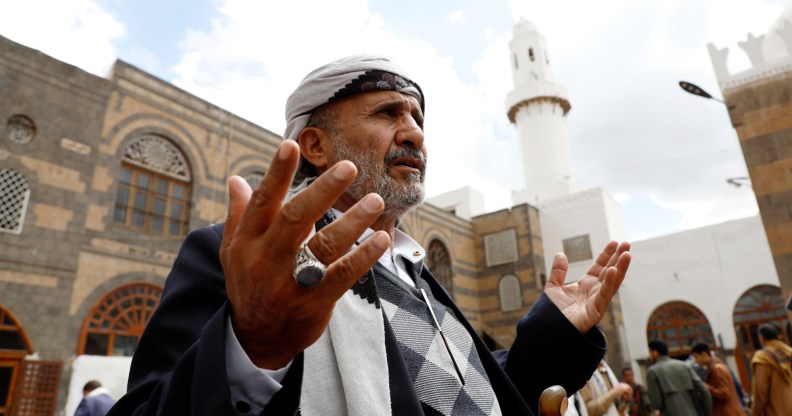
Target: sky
{"type": "Point", "coordinates": [665, 155]}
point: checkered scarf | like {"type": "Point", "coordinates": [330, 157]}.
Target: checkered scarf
{"type": "Point", "coordinates": [435, 379]}
{"type": "Point", "coordinates": [346, 370]}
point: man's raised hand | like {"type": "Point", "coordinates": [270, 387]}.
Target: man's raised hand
{"type": "Point", "coordinates": [273, 317]}
{"type": "Point", "coordinates": [585, 301]}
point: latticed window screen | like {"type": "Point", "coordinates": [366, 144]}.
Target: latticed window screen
{"type": "Point", "coordinates": [114, 325]}
{"type": "Point", "coordinates": [154, 188]}
{"type": "Point", "coordinates": [439, 262]}
{"type": "Point", "coordinates": [680, 325]}
{"type": "Point", "coordinates": [36, 392]}
{"type": "Point", "coordinates": [500, 248]}
{"type": "Point", "coordinates": [577, 248]}
{"type": "Point", "coordinates": [14, 195]}
{"type": "Point", "coordinates": [510, 293]}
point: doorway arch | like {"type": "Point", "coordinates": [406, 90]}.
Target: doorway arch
{"type": "Point", "coordinates": [758, 305]}
{"type": "Point", "coordinates": [114, 325]}
{"type": "Point", "coordinates": [679, 325]}
{"type": "Point", "coordinates": [14, 346]}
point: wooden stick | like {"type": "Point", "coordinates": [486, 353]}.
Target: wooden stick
{"type": "Point", "coordinates": [553, 401]}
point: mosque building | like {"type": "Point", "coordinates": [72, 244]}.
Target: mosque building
{"type": "Point", "coordinates": [101, 179]}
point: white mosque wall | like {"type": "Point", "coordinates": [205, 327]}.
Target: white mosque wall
{"type": "Point", "coordinates": [466, 202]}
{"type": "Point", "coordinates": [112, 372]}
{"type": "Point", "coordinates": [593, 212]}
{"type": "Point", "coordinates": [709, 267]}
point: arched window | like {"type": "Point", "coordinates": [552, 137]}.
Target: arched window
{"type": "Point", "coordinates": [439, 262]}
{"type": "Point", "coordinates": [680, 325]}
{"type": "Point", "coordinates": [510, 293]}
{"type": "Point", "coordinates": [14, 196]}
{"type": "Point", "coordinates": [14, 346]}
{"type": "Point", "coordinates": [12, 337]}
{"type": "Point", "coordinates": [154, 188]}
{"type": "Point", "coordinates": [758, 305]}
{"type": "Point", "coordinates": [115, 323]}
{"type": "Point", "coordinates": [531, 54]}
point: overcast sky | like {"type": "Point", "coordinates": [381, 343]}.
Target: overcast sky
{"type": "Point", "coordinates": [664, 154]}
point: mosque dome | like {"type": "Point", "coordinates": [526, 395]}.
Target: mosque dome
{"type": "Point", "coordinates": [524, 26]}
{"type": "Point", "coordinates": [774, 47]}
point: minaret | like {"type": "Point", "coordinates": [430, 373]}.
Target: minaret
{"type": "Point", "coordinates": [537, 105]}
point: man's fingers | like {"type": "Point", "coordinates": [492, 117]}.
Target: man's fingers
{"type": "Point", "coordinates": [298, 216]}
{"type": "Point", "coordinates": [559, 270]}
{"type": "Point", "coordinates": [239, 194]}
{"type": "Point", "coordinates": [265, 202]}
{"type": "Point", "coordinates": [336, 239]}
{"type": "Point", "coordinates": [623, 247]}
{"type": "Point", "coordinates": [343, 273]}
{"type": "Point", "coordinates": [603, 259]}
{"type": "Point", "coordinates": [614, 276]}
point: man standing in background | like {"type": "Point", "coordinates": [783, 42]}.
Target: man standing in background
{"type": "Point", "coordinates": [639, 404]}
{"type": "Point", "coordinates": [772, 374]}
{"type": "Point", "coordinates": [96, 400]}
{"type": "Point", "coordinates": [674, 388]}
{"type": "Point", "coordinates": [719, 382]}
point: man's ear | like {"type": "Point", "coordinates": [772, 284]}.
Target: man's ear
{"type": "Point", "coordinates": [314, 146]}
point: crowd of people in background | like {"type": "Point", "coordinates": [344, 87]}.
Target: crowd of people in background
{"type": "Point", "coordinates": [702, 385]}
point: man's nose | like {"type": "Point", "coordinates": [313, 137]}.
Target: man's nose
{"type": "Point", "coordinates": [410, 134]}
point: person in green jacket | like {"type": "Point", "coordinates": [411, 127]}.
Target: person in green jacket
{"type": "Point", "coordinates": [674, 388]}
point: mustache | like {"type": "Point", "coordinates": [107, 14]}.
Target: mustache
{"type": "Point", "coordinates": [406, 152]}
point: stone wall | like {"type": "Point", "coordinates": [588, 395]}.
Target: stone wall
{"type": "Point", "coordinates": [761, 112]}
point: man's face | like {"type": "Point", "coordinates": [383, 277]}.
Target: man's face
{"type": "Point", "coordinates": [629, 378]}
{"type": "Point", "coordinates": [653, 355]}
{"type": "Point", "coordinates": [382, 134]}
{"type": "Point", "coordinates": [701, 358]}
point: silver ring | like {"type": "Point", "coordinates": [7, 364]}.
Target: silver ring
{"type": "Point", "coordinates": [308, 270]}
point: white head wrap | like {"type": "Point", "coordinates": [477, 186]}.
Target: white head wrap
{"type": "Point", "coordinates": [339, 79]}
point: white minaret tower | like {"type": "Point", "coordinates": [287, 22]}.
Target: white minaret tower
{"type": "Point", "coordinates": [537, 105]}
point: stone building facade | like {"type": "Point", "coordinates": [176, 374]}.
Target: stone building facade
{"type": "Point", "coordinates": [759, 100]}
{"type": "Point", "coordinates": [101, 179]}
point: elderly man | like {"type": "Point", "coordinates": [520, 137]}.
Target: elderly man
{"type": "Point", "coordinates": [309, 301]}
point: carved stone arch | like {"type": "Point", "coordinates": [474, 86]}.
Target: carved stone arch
{"type": "Point", "coordinates": [756, 306]}
{"type": "Point", "coordinates": [680, 325]}
{"type": "Point", "coordinates": [145, 123]}
{"type": "Point", "coordinates": [438, 260]}
{"type": "Point", "coordinates": [157, 150]}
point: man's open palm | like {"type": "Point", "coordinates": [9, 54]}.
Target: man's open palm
{"type": "Point", "coordinates": [585, 301]}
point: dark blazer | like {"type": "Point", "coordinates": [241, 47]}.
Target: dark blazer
{"type": "Point", "coordinates": [179, 365]}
